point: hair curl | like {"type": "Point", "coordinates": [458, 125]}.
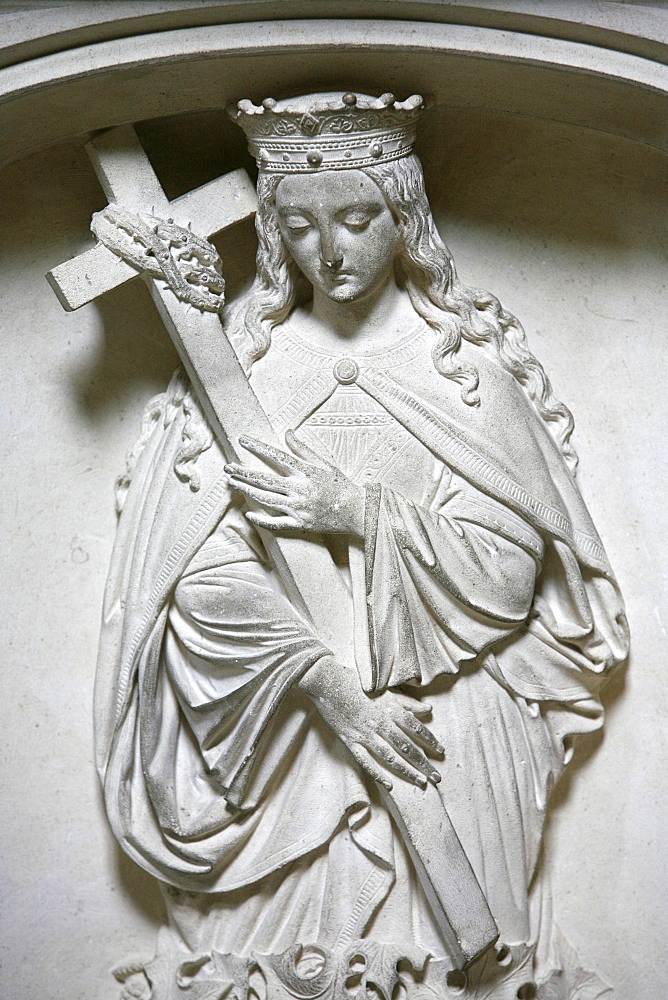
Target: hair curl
{"type": "Point", "coordinates": [425, 268]}
{"type": "Point", "coordinates": [196, 435]}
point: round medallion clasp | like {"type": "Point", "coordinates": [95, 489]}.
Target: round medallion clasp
{"type": "Point", "coordinates": [346, 371]}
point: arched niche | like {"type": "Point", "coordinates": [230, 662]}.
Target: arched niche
{"type": "Point", "coordinates": [544, 150]}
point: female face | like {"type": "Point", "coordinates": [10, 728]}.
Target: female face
{"type": "Point", "coordinates": [339, 230]}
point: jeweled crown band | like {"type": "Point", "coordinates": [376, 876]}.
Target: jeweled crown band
{"type": "Point", "coordinates": [328, 131]}
{"type": "Point", "coordinates": [296, 156]}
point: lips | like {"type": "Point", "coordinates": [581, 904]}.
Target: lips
{"type": "Point", "coordinates": [338, 276]}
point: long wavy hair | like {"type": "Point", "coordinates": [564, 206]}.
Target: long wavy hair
{"type": "Point", "coordinates": [425, 268]}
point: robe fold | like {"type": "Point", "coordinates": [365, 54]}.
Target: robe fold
{"type": "Point", "coordinates": [480, 586]}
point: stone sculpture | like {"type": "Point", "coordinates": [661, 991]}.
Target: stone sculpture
{"type": "Point", "coordinates": [343, 792]}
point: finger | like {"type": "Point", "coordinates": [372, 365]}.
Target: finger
{"type": "Point", "coordinates": [369, 765]}
{"type": "Point", "coordinates": [273, 501]}
{"type": "Point", "coordinates": [400, 742]}
{"type": "Point", "coordinates": [415, 729]}
{"type": "Point", "coordinates": [418, 708]}
{"type": "Point", "coordinates": [256, 477]}
{"type": "Point", "coordinates": [380, 748]}
{"type": "Point", "coordinates": [303, 450]}
{"type": "Point", "coordinates": [280, 458]}
{"type": "Point", "coordinates": [273, 523]}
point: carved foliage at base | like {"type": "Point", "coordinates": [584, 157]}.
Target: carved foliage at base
{"type": "Point", "coordinates": [367, 970]}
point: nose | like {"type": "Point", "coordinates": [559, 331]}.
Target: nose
{"type": "Point", "coordinates": [330, 255]}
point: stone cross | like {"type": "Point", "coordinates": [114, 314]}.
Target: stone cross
{"type": "Point", "coordinates": [306, 565]}
{"type": "Point", "coordinates": [127, 177]}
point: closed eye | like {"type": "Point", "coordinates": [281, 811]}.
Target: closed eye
{"type": "Point", "coordinates": [357, 225]}
{"type": "Point", "coordinates": [298, 228]}
{"type": "Point", "coordinates": [357, 218]}
{"type": "Point", "coordinates": [297, 223]}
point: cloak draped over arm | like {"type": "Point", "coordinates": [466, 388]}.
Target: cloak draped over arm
{"type": "Point", "coordinates": [235, 647]}
{"type": "Point", "coordinates": [443, 583]}
{"type": "Point", "coordinates": [467, 578]}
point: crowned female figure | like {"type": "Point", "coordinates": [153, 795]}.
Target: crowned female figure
{"type": "Point", "coordinates": [241, 758]}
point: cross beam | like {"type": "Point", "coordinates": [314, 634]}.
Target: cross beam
{"type": "Point", "coordinates": [305, 565]}
{"type": "Point", "coordinates": [127, 177]}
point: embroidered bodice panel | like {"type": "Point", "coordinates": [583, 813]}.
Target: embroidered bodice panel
{"type": "Point", "coordinates": [358, 434]}
{"type": "Point", "coordinates": [343, 423]}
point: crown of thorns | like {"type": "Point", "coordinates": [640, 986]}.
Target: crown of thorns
{"type": "Point", "coordinates": [328, 131]}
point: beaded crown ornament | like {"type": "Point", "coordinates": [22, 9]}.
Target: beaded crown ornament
{"type": "Point", "coordinates": [334, 131]}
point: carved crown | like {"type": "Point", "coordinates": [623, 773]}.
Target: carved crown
{"type": "Point", "coordinates": [328, 131]}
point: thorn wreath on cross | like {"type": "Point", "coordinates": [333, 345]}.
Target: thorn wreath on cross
{"type": "Point", "coordinates": [129, 181]}
{"type": "Point", "coordinates": [139, 208]}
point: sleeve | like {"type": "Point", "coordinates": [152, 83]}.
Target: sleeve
{"type": "Point", "coordinates": [234, 647]}
{"type": "Point", "coordinates": [443, 582]}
